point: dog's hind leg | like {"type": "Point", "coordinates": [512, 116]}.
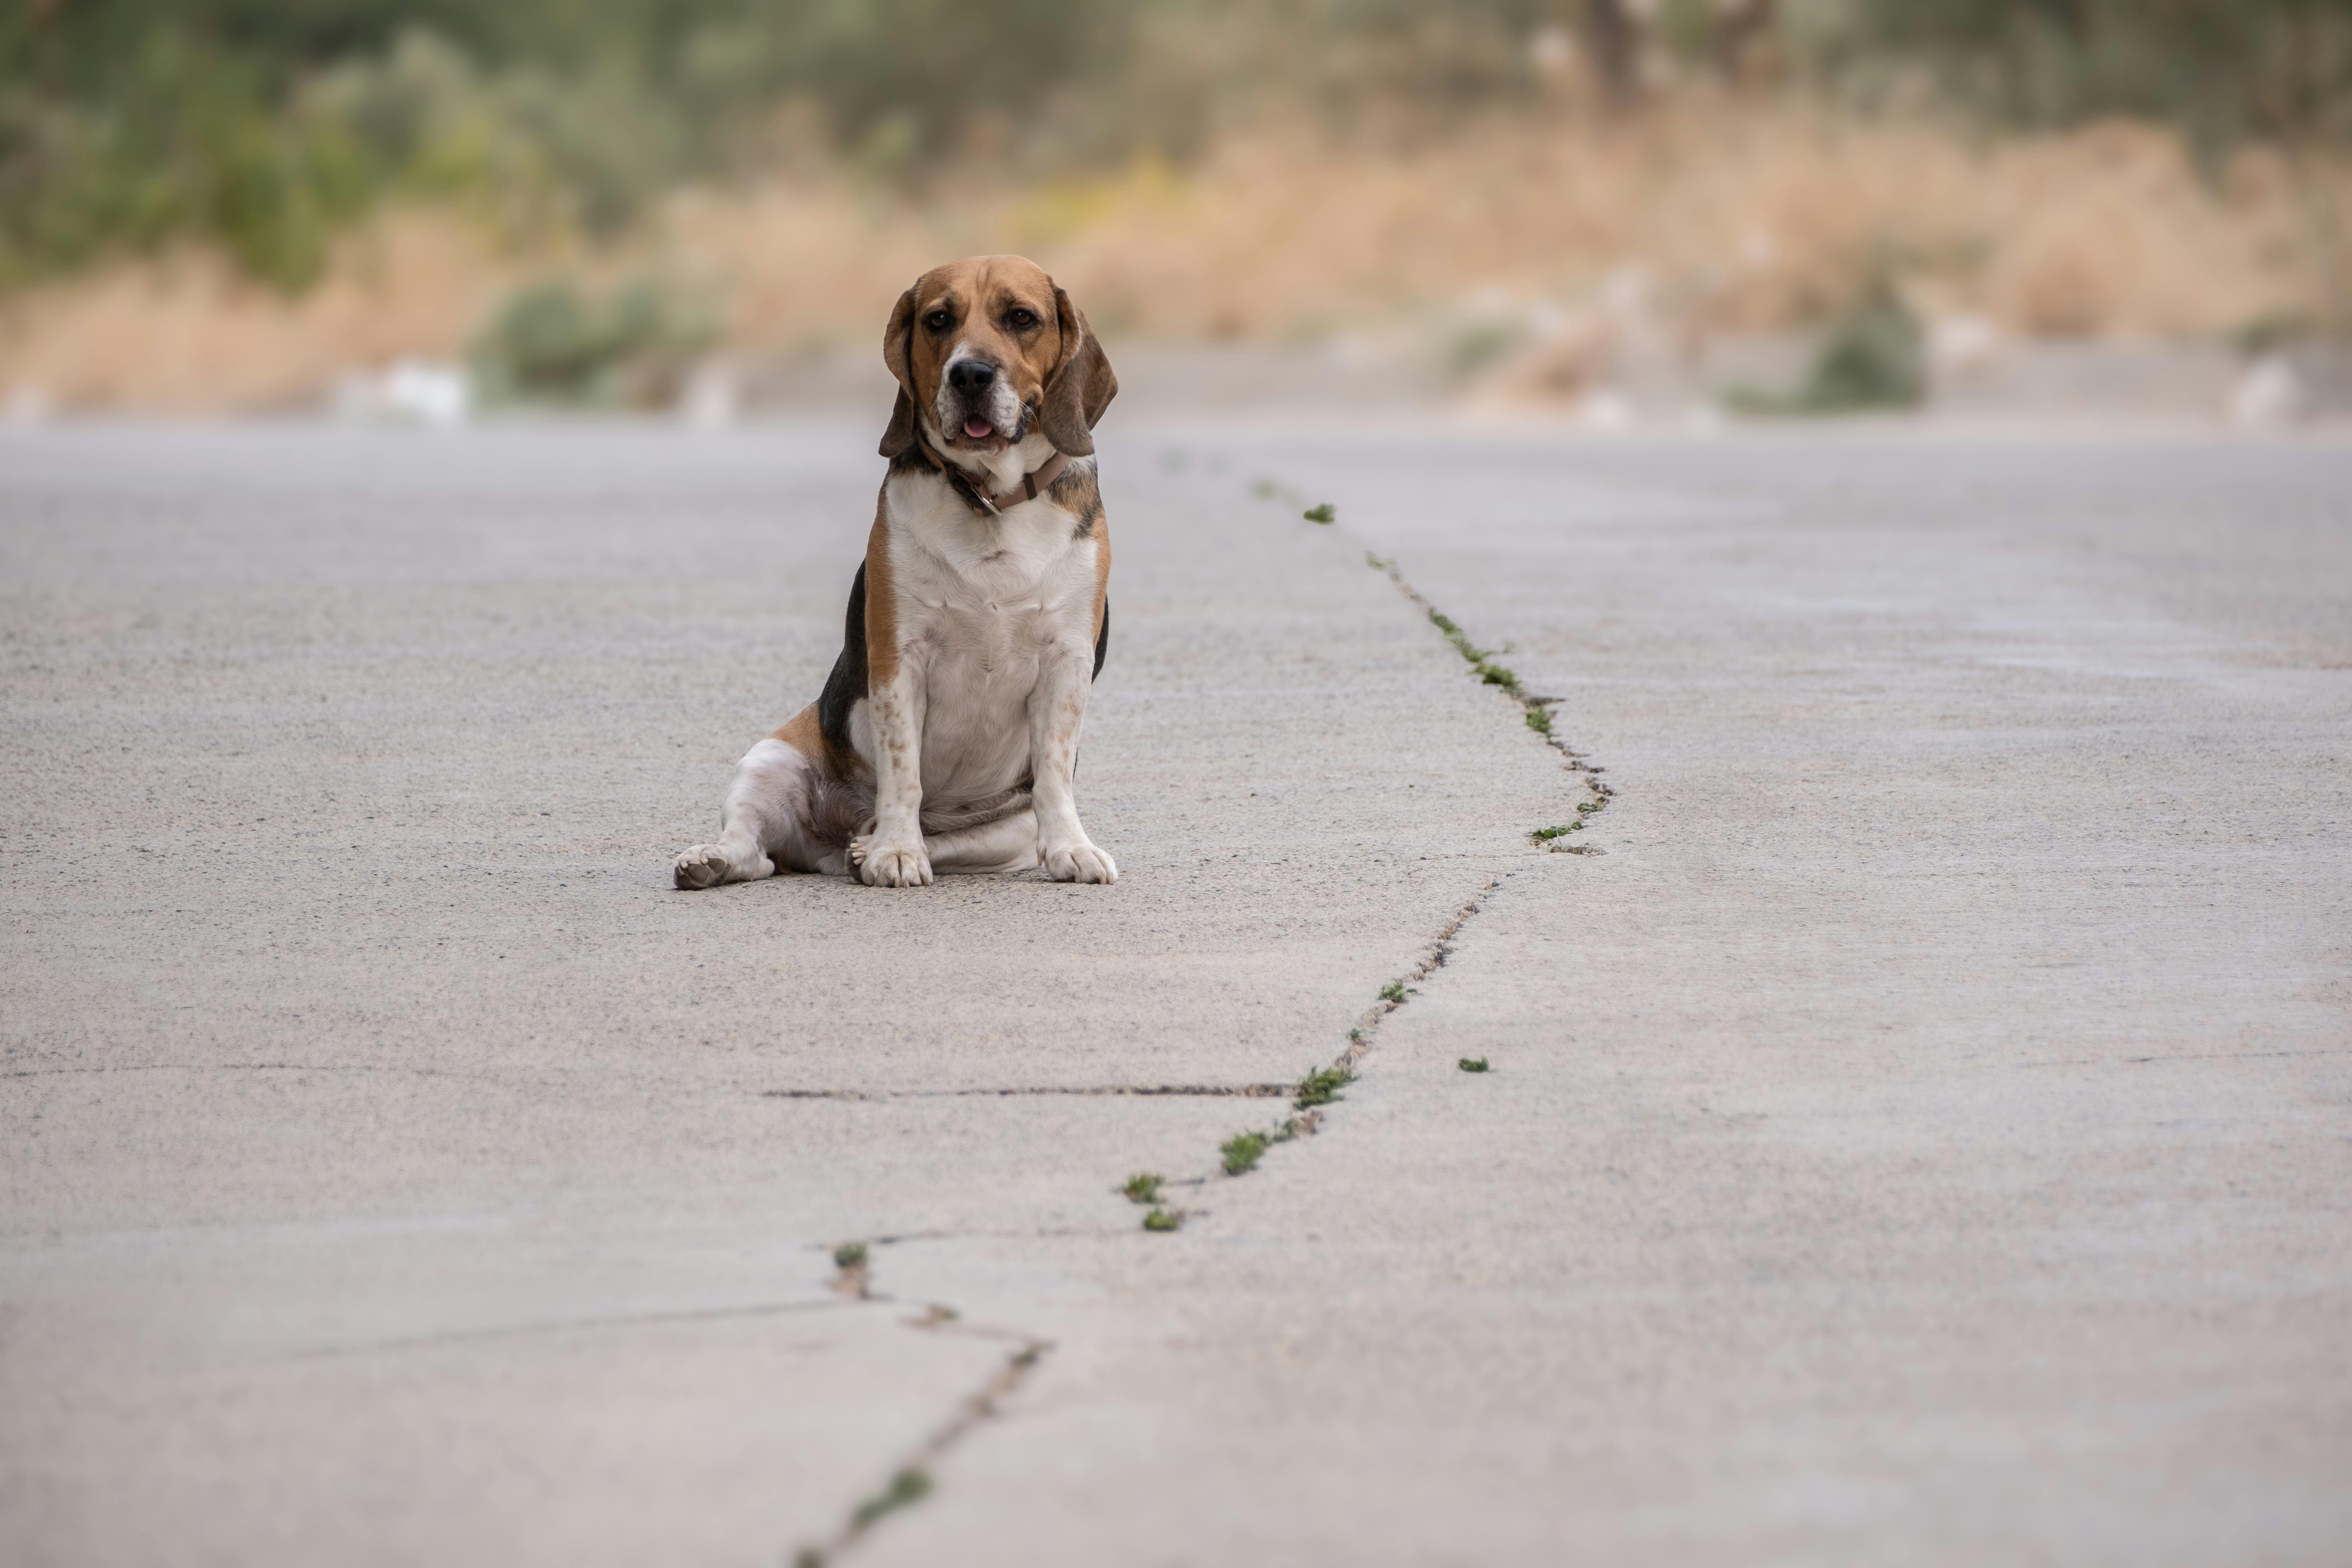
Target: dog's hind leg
{"type": "Point", "coordinates": [765, 821]}
{"type": "Point", "coordinates": [1008, 844]}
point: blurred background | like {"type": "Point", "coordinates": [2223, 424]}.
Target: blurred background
{"type": "Point", "coordinates": [1617, 212]}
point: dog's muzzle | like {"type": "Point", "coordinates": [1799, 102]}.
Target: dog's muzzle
{"type": "Point", "coordinates": [976, 402]}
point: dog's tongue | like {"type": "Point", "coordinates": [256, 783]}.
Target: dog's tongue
{"type": "Point", "coordinates": [976, 428]}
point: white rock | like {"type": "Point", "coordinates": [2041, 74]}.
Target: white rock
{"type": "Point", "coordinates": [428, 391]}
{"type": "Point", "coordinates": [2271, 393]}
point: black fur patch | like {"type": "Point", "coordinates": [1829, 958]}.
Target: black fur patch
{"type": "Point", "coordinates": [1102, 641]}
{"type": "Point", "coordinates": [846, 684]}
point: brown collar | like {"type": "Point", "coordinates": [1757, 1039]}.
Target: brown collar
{"type": "Point", "coordinates": [1032, 484]}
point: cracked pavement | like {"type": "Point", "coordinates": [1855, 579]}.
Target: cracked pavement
{"type": "Point", "coordinates": [1923, 1133]}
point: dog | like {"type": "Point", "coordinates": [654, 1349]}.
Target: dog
{"type": "Point", "coordinates": [946, 737]}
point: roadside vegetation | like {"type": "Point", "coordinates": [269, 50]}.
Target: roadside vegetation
{"type": "Point", "coordinates": [1199, 168]}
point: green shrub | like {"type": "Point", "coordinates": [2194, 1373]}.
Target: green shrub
{"type": "Point", "coordinates": [554, 343]}
{"type": "Point", "coordinates": [1874, 357]}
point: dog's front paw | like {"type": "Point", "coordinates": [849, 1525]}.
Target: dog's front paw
{"type": "Point", "coordinates": [1079, 862]}
{"type": "Point", "coordinates": [886, 865]}
{"type": "Point", "coordinates": [704, 865]}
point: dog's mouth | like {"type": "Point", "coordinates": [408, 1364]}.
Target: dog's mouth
{"type": "Point", "coordinates": [985, 420]}
{"type": "Point", "coordinates": [979, 431]}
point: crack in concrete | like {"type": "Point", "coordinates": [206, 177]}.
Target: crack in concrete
{"type": "Point", "coordinates": [1240, 1155]}
{"type": "Point", "coordinates": [1536, 709]}
{"type": "Point", "coordinates": [910, 1480]}
{"type": "Point", "coordinates": [1195, 1090]}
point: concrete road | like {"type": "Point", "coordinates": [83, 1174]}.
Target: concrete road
{"type": "Point", "coordinates": [1920, 1133]}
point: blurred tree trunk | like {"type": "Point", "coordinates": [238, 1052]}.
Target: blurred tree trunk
{"type": "Point", "coordinates": [1742, 37]}
{"type": "Point", "coordinates": [1613, 38]}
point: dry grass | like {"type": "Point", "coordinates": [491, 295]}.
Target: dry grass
{"type": "Point", "coordinates": [188, 335]}
{"type": "Point", "coordinates": [1731, 220]}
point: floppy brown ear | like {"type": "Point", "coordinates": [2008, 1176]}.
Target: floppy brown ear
{"type": "Point", "coordinates": [1081, 386]}
{"type": "Point", "coordinates": [898, 352]}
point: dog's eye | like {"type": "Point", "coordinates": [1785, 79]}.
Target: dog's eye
{"type": "Point", "coordinates": [1020, 320]}
{"type": "Point", "coordinates": [938, 320]}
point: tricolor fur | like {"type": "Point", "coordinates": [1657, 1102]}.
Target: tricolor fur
{"type": "Point", "coordinates": [946, 737]}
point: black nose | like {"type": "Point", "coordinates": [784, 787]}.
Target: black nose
{"type": "Point", "coordinates": [971, 375]}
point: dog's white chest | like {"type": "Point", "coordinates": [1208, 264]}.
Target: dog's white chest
{"type": "Point", "coordinates": [981, 601]}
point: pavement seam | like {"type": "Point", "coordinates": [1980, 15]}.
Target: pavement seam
{"type": "Point", "coordinates": [560, 1326]}
{"type": "Point", "coordinates": [1193, 1090]}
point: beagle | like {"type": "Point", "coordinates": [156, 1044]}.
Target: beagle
{"type": "Point", "coordinates": [946, 737]}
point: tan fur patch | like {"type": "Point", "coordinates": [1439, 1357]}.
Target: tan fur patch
{"type": "Point", "coordinates": [977, 299]}
{"type": "Point", "coordinates": [881, 602]}
{"type": "Point", "coordinates": [1102, 569]}
{"type": "Point", "coordinates": [805, 733]}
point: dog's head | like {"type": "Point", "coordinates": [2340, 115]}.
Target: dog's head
{"type": "Point", "coordinates": [985, 348]}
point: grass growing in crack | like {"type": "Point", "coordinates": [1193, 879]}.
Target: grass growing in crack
{"type": "Point", "coordinates": [1241, 1153]}
{"type": "Point", "coordinates": [908, 1488]}
{"type": "Point", "coordinates": [1457, 636]}
{"type": "Point", "coordinates": [1482, 660]}
{"type": "Point", "coordinates": [849, 1255]}
{"type": "Point", "coordinates": [1165, 1219]}
{"type": "Point", "coordinates": [1325, 513]}
{"type": "Point", "coordinates": [1393, 992]}
{"type": "Point", "coordinates": [1472, 1064]}
{"type": "Point", "coordinates": [1321, 1086]}
{"type": "Point", "coordinates": [1536, 710]}
{"type": "Point", "coordinates": [1584, 810]}
{"type": "Point", "coordinates": [1143, 1187]}
{"type": "Point", "coordinates": [1493, 674]}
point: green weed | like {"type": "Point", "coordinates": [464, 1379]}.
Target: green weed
{"type": "Point", "coordinates": [849, 1255]}
{"type": "Point", "coordinates": [1143, 1187]}
{"type": "Point", "coordinates": [1392, 992]}
{"type": "Point", "coordinates": [1493, 674]}
{"type": "Point", "coordinates": [1242, 1151]}
{"type": "Point", "coordinates": [1321, 1086]}
{"type": "Point", "coordinates": [908, 1488]}
{"type": "Point", "coordinates": [1472, 1064]}
{"type": "Point", "coordinates": [1326, 512]}
{"type": "Point", "coordinates": [1165, 1219]}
